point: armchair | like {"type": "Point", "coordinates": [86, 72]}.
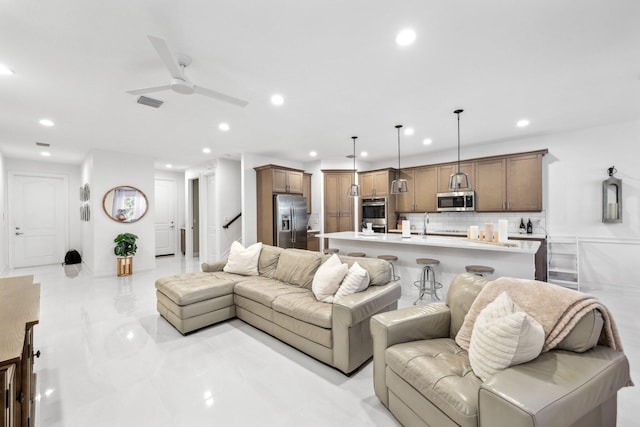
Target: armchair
{"type": "Point", "coordinates": [425, 378]}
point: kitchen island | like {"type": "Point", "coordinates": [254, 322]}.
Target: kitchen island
{"type": "Point", "coordinates": [454, 253]}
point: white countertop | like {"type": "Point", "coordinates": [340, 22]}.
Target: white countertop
{"type": "Point", "coordinates": [463, 234]}
{"type": "Point", "coordinates": [522, 246]}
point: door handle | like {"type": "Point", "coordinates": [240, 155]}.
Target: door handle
{"type": "Point", "coordinates": [18, 233]}
{"type": "Point", "coordinates": [292, 224]}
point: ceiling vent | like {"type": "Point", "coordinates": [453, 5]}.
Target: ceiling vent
{"type": "Point", "coordinates": [145, 100]}
{"type": "Point", "coordinates": [43, 144]}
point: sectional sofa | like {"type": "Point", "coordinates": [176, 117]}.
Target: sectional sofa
{"type": "Point", "coordinates": [279, 301]}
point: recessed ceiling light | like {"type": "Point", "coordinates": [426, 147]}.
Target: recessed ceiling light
{"type": "Point", "coordinates": [364, 154]}
{"type": "Point", "coordinates": [5, 71]}
{"type": "Point", "coordinates": [313, 153]}
{"type": "Point", "coordinates": [427, 141]}
{"type": "Point", "coordinates": [168, 165]}
{"type": "Point", "coordinates": [408, 131]}
{"type": "Point", "coordinates": [277, 99]}
{"type": "Point", "coordinates": [45, 153]}
{"type": "Point", "coordinates": [206, 150]}
{"type": "Point", "coordinates": [406, 37]}
{"type": "Point", "coordinates": [224, 127]}
{"type": "Point", "coordinates": [46, 122]}
{"type": "Point", "coordinates": [522, 123]}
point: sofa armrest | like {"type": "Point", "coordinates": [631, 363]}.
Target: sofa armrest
{"type": "Point", "coordinates": [213, 266]}
{"type": "Point", "coordinates": [404, 325]}
{"type": "Point", "coordinates": [352, 343]}
{"type": "Point", "coordinates": [558, 388]}
{"type": "Point", "coordinates": [357, 307]}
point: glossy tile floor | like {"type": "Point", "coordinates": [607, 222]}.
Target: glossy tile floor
{"type": "Point", "coordinates": [108, 359]}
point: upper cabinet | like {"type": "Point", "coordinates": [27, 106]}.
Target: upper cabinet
{"type": "Point", "coordinates": [421, 197]}
{"type": "Point", "coordinates": [445, 171]}
{"type": "Point", "coordinates": [306, 190]}
{"type": "Point", "coordinates": [512, 183]}
{"type": "Point", "coordinates": [338, 206]}
{"type": "Point", "coordinates": [287, 180]}
{"type": "Point", "coordinates": [375, 183]}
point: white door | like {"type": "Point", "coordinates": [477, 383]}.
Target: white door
{"type": "Point", "coordinates": [165, 214]}
{"type": "Point", "coordinates": [37, 226]}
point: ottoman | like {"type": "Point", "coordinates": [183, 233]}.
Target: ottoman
{"type": "Point", "coordinates": [194, 300]}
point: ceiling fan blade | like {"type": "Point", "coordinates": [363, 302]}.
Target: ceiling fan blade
{"type": "Point", "coordinates": [149, 90]}
{"type": "Point", "coordinates": [220, 96]}
{"type": "Point", "coordinates": [167, 57]}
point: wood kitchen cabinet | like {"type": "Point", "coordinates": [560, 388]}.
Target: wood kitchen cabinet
{"type": "Point", "coordinates": [512, 183]}
{"type": "Point", "coordinates": [306, 190]}
{"type": "Point", "coordinates": [313, 243]}
{"type": "Point", "coordinates": [338, 206]}
{"type": "Point", "coordinates": [285, 180]}
{"type": "Point", "coordinates": [422, 185]}
{"type": "Point", "coordinates": [19, 313]}
{"type": "Point", "coordinates": [270, 180]}
{"type": "Point", "coordinates": [446, 170]}
{"type": "Point", "coordinates": [376, 183]}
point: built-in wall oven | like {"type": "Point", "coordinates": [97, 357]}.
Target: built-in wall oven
{"type": "Point", "coordinates": [374, 210]}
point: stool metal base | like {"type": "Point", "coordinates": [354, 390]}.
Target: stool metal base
{"type": "Point", "coordinates": [427, 275]}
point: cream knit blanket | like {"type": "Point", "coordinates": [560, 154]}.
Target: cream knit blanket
{"type": "Point", "coordinates": [557, 309]}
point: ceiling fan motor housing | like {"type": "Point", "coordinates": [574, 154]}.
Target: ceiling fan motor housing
{"type": "Point", "coordinates": [182, 86]}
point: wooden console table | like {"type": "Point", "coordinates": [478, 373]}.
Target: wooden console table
{"type": "Point", "coordinates": [19, 312]}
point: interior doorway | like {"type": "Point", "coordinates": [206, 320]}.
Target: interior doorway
{"type": "Point", "coordinates": [38, 219]}
{"type": "Point", "coordinates": [165, 216]}
{"type": "Point", "coordinates": [195, 221]}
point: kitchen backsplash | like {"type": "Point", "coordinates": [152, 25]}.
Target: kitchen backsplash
{"type": "Point", "coordinates": [459, 221]}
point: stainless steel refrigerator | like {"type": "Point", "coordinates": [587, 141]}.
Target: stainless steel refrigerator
{"type": "Point", "coordinates": [290, 217]}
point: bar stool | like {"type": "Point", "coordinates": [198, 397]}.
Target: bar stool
{"type": "Point", "coordinates": [391, 259]}
{"type": "Point", "coordinates": [330, 251]}
{"type": "Point", "coordinates": [357, 254]}
{"type": "Point", "coordinates": [427, 275]}
{"type": "Point", "coordinates": [479, 270]}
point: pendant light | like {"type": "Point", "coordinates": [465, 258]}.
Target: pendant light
{"type": "Point", "coordinates": [354, 189]}
{"type": "Point", "coordinates": [459, 179]}
{"type": "Point", "coordinates": [399, 186]}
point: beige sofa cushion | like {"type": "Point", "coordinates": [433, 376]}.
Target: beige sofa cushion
{"type": "Point", "coordinates": [268, 261]}
{"type": "Point", "coordinates": [297, 267]}
{"type": "Point", "coordinates": [189, 288]}
{"type": "Point", "coordinates": [440, 370]}
{"type": "Point", "coordinates": [585, 334]}
{"type": "Point", "coordinates": [264, 291]}
{"type": "Point", "coordinates": [462, 292]}
{"type": "Point", "coordinates": [304, 306]}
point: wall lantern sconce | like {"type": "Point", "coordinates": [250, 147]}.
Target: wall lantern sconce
{"type": "Point", "coordinates": [612, 198]}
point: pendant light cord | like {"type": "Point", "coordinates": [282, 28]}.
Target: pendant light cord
{"type": "Point", "coordinates": [458, 113]}
{"type": "Point", "coordinates": [398, 127]}
{"type": "Point", "coordinates": [354, 158]}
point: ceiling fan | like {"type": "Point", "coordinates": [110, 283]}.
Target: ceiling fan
{"type": "Point", "coordinates": [179, 81]}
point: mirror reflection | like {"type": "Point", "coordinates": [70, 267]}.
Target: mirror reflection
{"type": "Point", "coordinates": [125, 204]}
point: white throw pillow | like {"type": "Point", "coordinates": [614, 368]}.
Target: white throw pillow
{"type": "Point", "coordinates": [503, 335]}
{"type": "Point", "coordinates": [328, 278]}
{"type": "Point", "coordinates": [243, 261]}
{"type": "Point", "coordinates": [356, 280]}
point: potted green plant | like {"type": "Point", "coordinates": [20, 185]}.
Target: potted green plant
{"type": "Point", "coordinates": [125, 249]}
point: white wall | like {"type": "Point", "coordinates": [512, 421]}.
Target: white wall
{"type": "Point", "coordinates": [228, 204]}
{"type": "Point", "coordinates": [72, 173]}
{"type": "Point", "coordinates": [106, 170]}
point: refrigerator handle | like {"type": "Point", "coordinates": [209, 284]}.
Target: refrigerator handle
{"type": "Point", "coordinates": [293, 224]}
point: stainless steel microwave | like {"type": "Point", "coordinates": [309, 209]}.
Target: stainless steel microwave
{"type": "Point", "coordinates": [457, 201]}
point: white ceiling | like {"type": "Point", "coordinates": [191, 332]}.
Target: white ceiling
{"type": "Point", "coordinates": [562, 64]}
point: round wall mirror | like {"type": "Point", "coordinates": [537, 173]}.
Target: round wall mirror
{"type": "Point", "coordinates": [125, 204]}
